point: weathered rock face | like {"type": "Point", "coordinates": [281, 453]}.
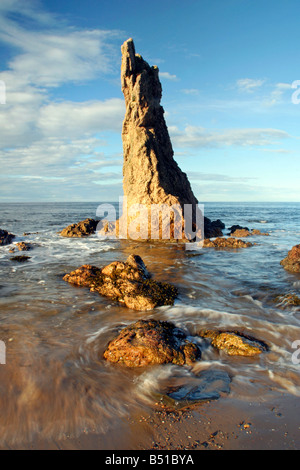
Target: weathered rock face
{"type": "Point", "coordinates": [151, 175]}
{"type": "Point", "coordinates": [149, 342]}
{"type": "Point", "coordinates": [229, 242]}
{"type": "Point", "coordinates": [234, 344]}
{"type": "Point", "coordinates": [81, 229]}
{"type": "Point", "coordinates": [127, 282]}
{"type": "Point", "coordinates": [5, 237]}
{"type": "Point", "coordinates": [292, 261]}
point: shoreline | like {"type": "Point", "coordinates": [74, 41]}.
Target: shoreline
{"type": "Point", "coordinates": [225, 424]}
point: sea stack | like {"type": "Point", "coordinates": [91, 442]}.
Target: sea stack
{"type": "Point", "coordinates": [151, 176]}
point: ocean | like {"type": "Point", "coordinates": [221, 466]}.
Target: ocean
{"type": "Point", "coordinates": [55, 381]}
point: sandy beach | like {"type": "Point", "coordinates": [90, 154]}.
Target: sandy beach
{"type": "Point", "coordinates": [224, 425]}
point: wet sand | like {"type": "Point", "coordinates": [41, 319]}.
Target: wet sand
{"type": "Point", "coordinates": [226, 424]}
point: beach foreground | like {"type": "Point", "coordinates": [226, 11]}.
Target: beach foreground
{"type": "Point", "coordinates": [223, 425]}
{"type": "Point", "coordinates": [57, 389]}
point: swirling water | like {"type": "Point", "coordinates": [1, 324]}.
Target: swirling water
{"type": "Point", "coordinates": [55, 382]}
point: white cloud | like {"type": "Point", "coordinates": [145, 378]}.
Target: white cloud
{"type": "Point", "coordinates": [190, 91]}
{"type": "Point", "coordinates": [168, 76]}
{"type": "Point", "coordinates": [278, 91]}
{"type": "Point", "coordinates": [43, 142]}
{"type": "Point", "coordinates": [70, 119]}
{"type": "Point", "coordinates": [198, 137]}
{"type": "Point", "coordinates": [248, 85]}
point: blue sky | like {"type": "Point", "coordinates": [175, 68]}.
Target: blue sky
{"type": "Point", "coordinates": [226, 67]}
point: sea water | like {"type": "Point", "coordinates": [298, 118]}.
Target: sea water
{"type": "Point", "coordinates": [55, 383]}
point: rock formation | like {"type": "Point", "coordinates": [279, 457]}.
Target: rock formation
{"type": "Point", "coordinates": [151, 176]}
{"type": "Point", "coordinates": [81, 229]}
{"type": "Point", "coordinates": [223, 242]}
{"type": "Point", "coordinates": [292, 261]}
{"type": "Point", "coordinates": [5, 237]}
{"type": "Point", "coordinates": [238, 231]}
{"type": "Point", "coordinates": [127, 282]}
{"type": "Point", "coordinates": [149, 342]}
{"type": "Point", "coordinates": [23, 246]}
{"type": "Point", "coordinates": [234, 344]}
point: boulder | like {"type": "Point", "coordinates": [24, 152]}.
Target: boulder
{"type": "Point", "coordinates": [234, 343]}
{"type": "Point", "coordinates": [149, 342]}
{"type": "Point", "coordinates": [292, 261]}
{"type": "Point", "coordinates": [23, 246]}
{"type": "Point", "coordinates": [240, 233]}
{"type": "Point", "coordinates": [81, 229]}
{"type": "Point", "coordinates": [127, 282]}
{"type": "Point", "coordinates": [226, 243]}
{"type": "Point", "coordinates": [233, 228]}
{"type": "Point", "coordinates": [6, 238]}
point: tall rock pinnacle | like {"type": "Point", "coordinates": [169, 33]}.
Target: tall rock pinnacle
{"type": "Point", "coordinates": [151, 176]}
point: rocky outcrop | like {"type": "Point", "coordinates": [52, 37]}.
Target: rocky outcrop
{"type": "Point", "coordinates": [149, 342]}
{"type": "Point", "coordinates": [238, 231]}
{"type": "Point", "coordinates": [234, 344]}
{"type": "Point", "coordinates": [6, 238]}
{"type": "Point", "coordinates": [292, 261]}
{"type": "Point", "coordinates": [23, 246]}
{"type": "Point", "coordinates": [81, 229]}
{"type": "Point", "coordinates": [127, 282]}
{"type": "Point", "coordinates": [151, 176]}
{"type": "Point", "coordinates": [229, 242]}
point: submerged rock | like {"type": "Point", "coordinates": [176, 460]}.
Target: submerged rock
{"type": "Point", "coordinates": [292, 261]}
{"type": "Point", "coordinates": [81, 229]}
{"type": "Point", "coordinates": [127, 282]}
{"type": "Point", "coordinates": [226, 243]}
{"type": "Point", "coordinates": [149, 342]}
{"type": "Point", "coordinates": [20, 258]}
{"type": "Point", "coordinates": [288, 300]}
{"type": "Point", "coordinates": [258, 232]}
{"type": "Point", "coordinates": [234, 343]}
{"type": "Point", "coordinates": [208, 385]}
{"type": "Point", "coordinates": [6, 238]}
{"type": "Point", "coordinates": [23, 246]}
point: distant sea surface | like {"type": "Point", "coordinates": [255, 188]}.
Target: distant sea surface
{"type": "Point", "coordinates": [55, 382]}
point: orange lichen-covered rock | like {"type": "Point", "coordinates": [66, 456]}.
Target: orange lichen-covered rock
{"type": "Point", "coordinates": [149, 342]}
